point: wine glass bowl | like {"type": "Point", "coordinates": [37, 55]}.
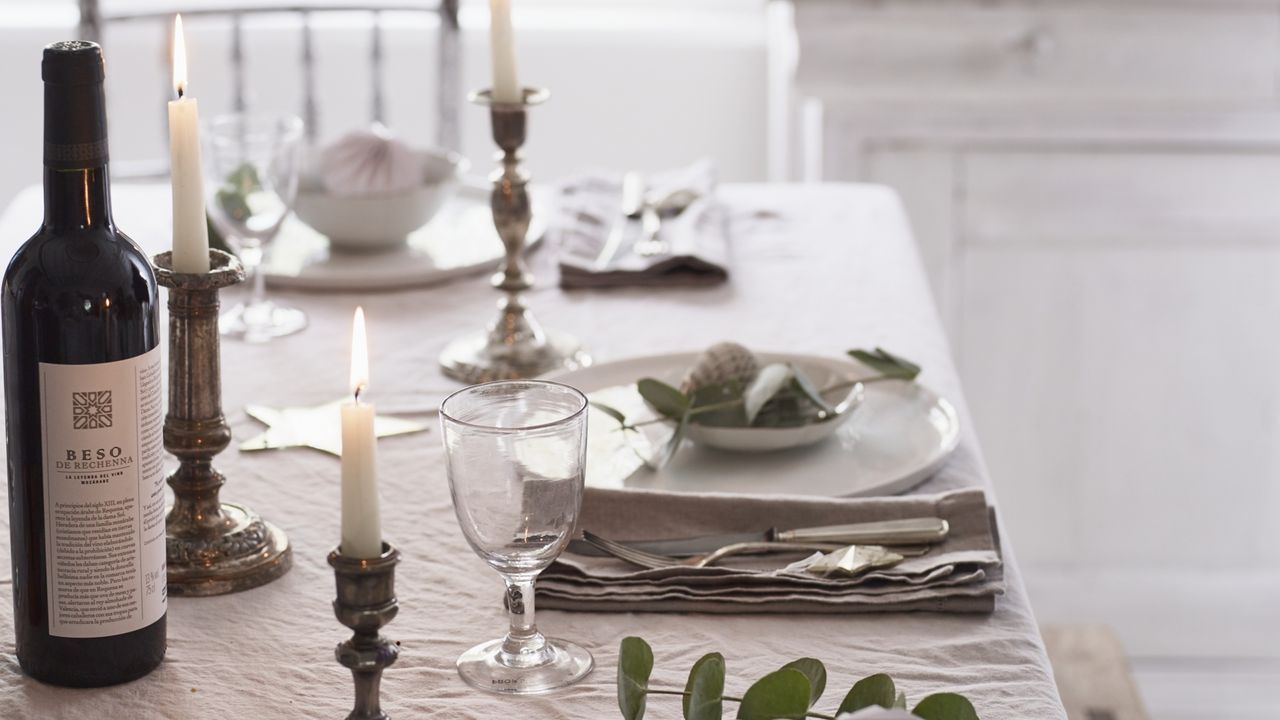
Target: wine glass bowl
{"type": "Point", "coordinates": [515, 453]}
{"type": "Point", "coordinates": [251, 166]}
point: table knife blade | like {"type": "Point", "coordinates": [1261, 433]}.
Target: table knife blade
{"type": "Point", "coordinates": [910, 531]}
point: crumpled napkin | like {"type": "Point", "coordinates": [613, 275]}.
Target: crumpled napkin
{"type": "Point", "coordinates": [963, 573]}
{"type": "Point", "coordinates": [369, 162]}
{"type": "Point", "coordinates": [696, 242]}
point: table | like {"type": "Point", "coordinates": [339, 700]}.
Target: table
{"type": "Point", "coordinates": [815, 269]}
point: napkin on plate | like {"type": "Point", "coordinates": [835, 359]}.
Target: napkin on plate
{"type": "Point", "coordinates": [372, 161]}
{"type": "Point", "coordinates": [696, 253]}
{"type": "Point", "coordinates": [961, 574]}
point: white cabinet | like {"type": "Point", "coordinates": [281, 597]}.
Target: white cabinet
{"type": "Point", "coordinates": [1096, 190]}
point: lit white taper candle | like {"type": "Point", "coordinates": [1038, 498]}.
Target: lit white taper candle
{"type": "Point", "coordinates": [361, 523]}
{"type": "Point", "coordinates": [190, 233]}
{"type": "Point", "coordinates": [502, 50]}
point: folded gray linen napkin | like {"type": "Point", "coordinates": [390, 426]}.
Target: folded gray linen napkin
{"type": "Point", "coordinates": [696, 248]}
{"type": "Point", "coordinates": [963, 573]}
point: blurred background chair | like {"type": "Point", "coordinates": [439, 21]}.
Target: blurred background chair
{"type": "Point", "coordinates": [101, 23]}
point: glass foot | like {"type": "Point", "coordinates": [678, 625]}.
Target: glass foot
{"type": "Point", "coordinates": [261, 322]}
{"type": "Point", "coordinates": [558, 664]}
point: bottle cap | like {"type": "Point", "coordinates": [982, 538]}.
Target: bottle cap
{"type": "Point", "coordinates": [75, 116]}
{"type": "Point", "coordinates": [72, 62]}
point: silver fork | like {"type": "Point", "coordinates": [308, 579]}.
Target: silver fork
{"type": "Point", "coordinates": [653, 561]}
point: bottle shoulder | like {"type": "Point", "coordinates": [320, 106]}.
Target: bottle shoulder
{"type": "Point", "coordinates": [93, 261]}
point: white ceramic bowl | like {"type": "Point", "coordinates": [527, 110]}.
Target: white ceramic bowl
{"type": "Point", "coordinates": [824, 372]}
{"type": "Point", "coordinates": [370, 223]}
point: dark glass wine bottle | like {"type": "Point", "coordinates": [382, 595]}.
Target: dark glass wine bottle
{"type": "Point", "coordinates": [83, 410]}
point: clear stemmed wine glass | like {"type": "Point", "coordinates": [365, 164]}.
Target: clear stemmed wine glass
{"type": "Point", "coordinates": [251, 165]}
{"type": "Point", "coordinates": [515, 452]}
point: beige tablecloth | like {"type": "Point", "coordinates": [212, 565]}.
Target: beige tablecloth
{"type": "Point", "coordinates": [815, 269]}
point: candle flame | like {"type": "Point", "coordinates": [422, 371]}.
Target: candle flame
{"type": "Point", "coordinates": [179, 57]}
{"type": "Point", "coordinates": [359, 355]}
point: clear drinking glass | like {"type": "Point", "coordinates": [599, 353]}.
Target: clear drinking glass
{"type": "Point", "coordinates": [251, 165]}
{"type": "Point", "coordinates": [515, 453]}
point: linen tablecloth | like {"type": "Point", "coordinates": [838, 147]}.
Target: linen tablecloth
{"type": "Point", "coordinates": [815, 269]}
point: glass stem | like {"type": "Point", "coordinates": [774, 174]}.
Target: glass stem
{"type": "Point", "coordinates": [251, 257]}
{"type": "Point", "coordinates": [523, 646]}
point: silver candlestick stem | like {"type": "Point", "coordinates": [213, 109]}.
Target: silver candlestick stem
{"type": "Point", "coordinates": [515, 345]}
{"type": "Point", "coordinates": [366, 601]}
{"type": "Point", "coordinates": [211, 547]}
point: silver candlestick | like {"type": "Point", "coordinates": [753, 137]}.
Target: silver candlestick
{"type": "Point", "coordinates": [514, 345]}
{"type": "Point", "coordinates": [211, 547]}
{"type": "Point", "coordinates": [366, 600]}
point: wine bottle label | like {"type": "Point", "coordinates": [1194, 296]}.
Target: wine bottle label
{"type": "Point", "coordinates": [103, 496]}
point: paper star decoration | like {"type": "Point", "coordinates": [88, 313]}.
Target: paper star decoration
{"type": "Point", "coordinates": [319, 428]}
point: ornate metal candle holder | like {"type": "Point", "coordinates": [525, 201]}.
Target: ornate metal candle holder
{"type": "Point", "coordinates": [212, 548]}
{"type": "Point", "coordinates": [515, 344]}
{"type": "Point", "coordinates": [366, 601]}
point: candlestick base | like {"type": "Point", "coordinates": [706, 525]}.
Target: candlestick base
{"type": "Point", "coordinates": [471, 359]}
{"type": "Point", "coordinates": [211, 547]}
{"type": "Point", "coordinates": [246, 552]}
{"type": "Point", "coordinates": [366, 601]}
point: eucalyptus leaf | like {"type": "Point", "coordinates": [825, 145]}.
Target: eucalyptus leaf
{"type": "Point", "coordinates": [780, 695]}
{"type": "Point", "coordinates": [635, 664]}
{"type": "Point", "coordinates": [945, 706]}
{"type": "Point", "coordinates": [718, 405]}
{"type": "Point", "coordinates": [817, 674]}
{"type": "Point", "coordinates": [704, 692]}
{"type": "Point", "coordinates": [887, 364]}
{"type": "Point", "coordinates": [612, 412]}
{"type": "Point", "coordinates": [874, 690]}
{"type": "Point", "coordinates": [906, 365]}
{"type": "Point", "coordinates": [766, 384]}
{"type": "Point", "coordinates": [787, 409]}
{"type": "Point", "coordinates": [805, 386]}
{"type": "Point", "coordinates": [668, 451]}
{"type": "Point", "coordinates": [901, 702]}
{"type": "Point", "coordinates": [668, 401]}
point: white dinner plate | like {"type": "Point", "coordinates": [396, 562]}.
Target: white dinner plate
{"type": "Point", "coordinates": [459, 240]}
{"type": "Point", "coordinates": [898, 436]}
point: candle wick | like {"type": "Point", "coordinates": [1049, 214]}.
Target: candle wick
{"type": "Point", "coordinates": [359, 389]}
{"type": "Point", "coordinates": [180, 92]}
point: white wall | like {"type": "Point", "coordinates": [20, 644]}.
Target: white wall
{"type": "Point", "coordinates": [633, 87]}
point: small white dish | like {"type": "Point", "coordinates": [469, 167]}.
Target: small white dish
{"type": "Point", "coordinates": [900, 435]}
{"type": "Point", "coordinates": [824, 372]}
{"type": "Point", "coordinates": [460, 240]}
{"type": "Point", "coordinates": [375, 223]}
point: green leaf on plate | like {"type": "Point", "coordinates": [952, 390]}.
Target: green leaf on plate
{"type": "Point", "coordinates": [817, 674]}
{"type": "Point", "coordinates": [780, 695]}
{"type": "Point", "coordinates": [907, 367]}
{"type": "Point", "coordinates": [805, 386]}
{"type": "Point", "coordinates": [668, 401]}
{"type": "Point", "coordinates": [673, 444]}
{"type": "Point", "coordinates": [870, 691]}
{"type": "Point", "coordinates": [945, 706]}
{"type": "Point", "coordinates": [612, 412]}
{"type": "Point", "coordinates": [766, 384]}
{"type": "Point", "coordinates": [635, 664]}
{"type": "Point", "coordinates": [887, 364]}
{"type": "Point", "coordinates": [718, 405]}
{"type": "Point", "coordinates": [704, 692]}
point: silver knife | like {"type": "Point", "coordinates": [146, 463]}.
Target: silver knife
{"type": "Point", "coordinates": [632, 210]}
{"type": "Point", "coordinates": [911, 531]}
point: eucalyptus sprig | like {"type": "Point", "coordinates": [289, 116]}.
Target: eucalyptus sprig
{"type": "Point", "coordinates": [789, 692]}
{"type": "Point", "coordinates": [779, 396]}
